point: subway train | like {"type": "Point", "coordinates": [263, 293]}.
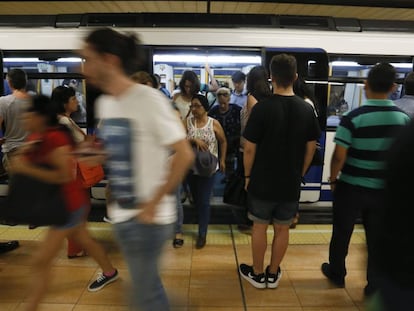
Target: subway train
{"type": "Point", "coordinates": [332, 63]}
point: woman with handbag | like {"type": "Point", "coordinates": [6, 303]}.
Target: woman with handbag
{"type": "Point", "coordinates": [49, 159]}
{"type": "Point", "coordinates": [65, 99]}
{"type": "Point", "coordinates": [205, 134]}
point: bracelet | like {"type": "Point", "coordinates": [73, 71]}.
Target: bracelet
{"type": "Point", "coordinates": [246, 176]}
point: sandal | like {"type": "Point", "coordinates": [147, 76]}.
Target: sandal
{"type": "Point", "coordinates": [78, 255]}
{"type": "Point", "coordinates": [178, 243]}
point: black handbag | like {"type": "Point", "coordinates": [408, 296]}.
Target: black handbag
{"type": "Point", "coordinates": [234, 192]}
{"type": "Point", "coordinates": [34, 202]}
{"type": "Point", "coordinates": [317, 159]}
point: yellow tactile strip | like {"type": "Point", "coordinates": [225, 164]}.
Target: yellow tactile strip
{"type": "Point", "coordinates": [217, 234]}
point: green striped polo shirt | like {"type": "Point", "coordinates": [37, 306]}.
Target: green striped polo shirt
{"type": "Point", "coordinates": [367, 132]}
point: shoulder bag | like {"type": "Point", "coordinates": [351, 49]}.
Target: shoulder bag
{"type": "Point", "coordinates": [34, 202]}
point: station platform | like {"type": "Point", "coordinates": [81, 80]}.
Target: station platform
{"type": "Point", "coordinates": [202, 280]}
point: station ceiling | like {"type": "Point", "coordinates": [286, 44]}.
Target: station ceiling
{"type": "Point", "coordinates": [360, 9]}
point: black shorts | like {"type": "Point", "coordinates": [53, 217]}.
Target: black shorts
{"type": "Point", "coordinates": [278, 212]}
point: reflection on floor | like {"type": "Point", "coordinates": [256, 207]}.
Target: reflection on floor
{"type": "Point", "coordinates": [202, 280]}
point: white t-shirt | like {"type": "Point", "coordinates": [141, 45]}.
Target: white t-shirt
{"type": "Point", "coordinates": [153, 126]}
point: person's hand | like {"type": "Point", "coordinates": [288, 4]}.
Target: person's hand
{"type": "Point", "coordinates": [201, 145]}
{"type": "Point", "coordinates": [222, 166]}
{"type": "Point", "coordinates": [207, 68]}
{"type": "Point", "coordinates": [246, 182]}
{"type": "Point", "coordinates": [147, 212]}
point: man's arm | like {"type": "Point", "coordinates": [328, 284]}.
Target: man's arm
{"type": "Point", "coordinates": [249, 154]}
{"type": "Point", "coordinates": [337, 163]}
{"type": "Point", "coordinates": [309, 152]}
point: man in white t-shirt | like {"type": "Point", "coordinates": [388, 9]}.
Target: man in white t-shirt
{"type": "Point", "coordinates": [148, 156]}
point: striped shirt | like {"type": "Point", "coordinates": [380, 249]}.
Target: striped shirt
{"type": "Point", "coordinates": [367, 132]}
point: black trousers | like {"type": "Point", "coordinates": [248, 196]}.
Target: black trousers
{"type": "Point", "coordinates": [349, 203]}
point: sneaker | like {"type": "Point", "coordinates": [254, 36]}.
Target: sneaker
{"type": "Point", "coordinates": [102, 281]}
{"type": "Point", "coordinates": [108, 220]}
{"type": "Point", "coordinates": [273, 279]}
{"type": "Point", "coordinates": [257, 280]}
{"type": "Point", "coordinates": [8, 246]}
{"type": "Point", "coordinates": [201, 242]}
{"type": "Point", "coordinates": [326, 270]}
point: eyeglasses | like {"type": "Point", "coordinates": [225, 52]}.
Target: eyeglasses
{"type": "Point", "coordinates": [223, 94]}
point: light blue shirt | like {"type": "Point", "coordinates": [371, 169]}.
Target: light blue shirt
{"type": "Point", "coordinates": [406, 104]}
{"type": "Point", "coordinates": [238, 99]}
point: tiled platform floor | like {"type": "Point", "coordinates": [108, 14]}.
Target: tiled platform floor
{"type": "Point", "coordinates": [202, 280]}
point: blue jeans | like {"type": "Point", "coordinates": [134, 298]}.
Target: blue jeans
{"type": "Point", "coordinates": [142, 246]}
{"type": "Point", "coordinates": [201, 188]}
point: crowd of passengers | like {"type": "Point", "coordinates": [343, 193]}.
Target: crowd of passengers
{"type": "Point", "coordinates": [228, 111]}
{"type": "Point", "coordinates": [266, 133]}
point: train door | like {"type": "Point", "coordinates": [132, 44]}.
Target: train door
{"type": "Point", "coordinates": [313, 70]}
{"type": "Point", "coordinates": [170, 63]}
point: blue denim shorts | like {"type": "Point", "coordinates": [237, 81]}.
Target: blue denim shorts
{"type": "Point", "coordinates": [278, 212]}
{"type": "Point", "coordinates": [75, 218]}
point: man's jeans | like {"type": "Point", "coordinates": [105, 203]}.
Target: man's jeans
{"type": "Point", "coordinates": [142, 246]}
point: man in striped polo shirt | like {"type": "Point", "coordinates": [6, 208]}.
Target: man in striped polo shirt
{"type": "Point", "coordinates": [357, 172]}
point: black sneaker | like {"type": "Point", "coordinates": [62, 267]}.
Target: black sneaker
{"type": "Point", "coordinates": [326, 270]}
{"type": "Point", "coordinates": [102, 281]}
{"type": "Point", "coordinates": [273, 279]}
{"type": "Point", "coordinates": [257, 280]}
{"type": "Point", "coordinates": [8, 246]}
{"type": "Point", "coordinates": [201, 242]}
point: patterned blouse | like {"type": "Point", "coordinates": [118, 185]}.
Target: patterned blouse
{"type": "Point", "coordinates": [205, 133]}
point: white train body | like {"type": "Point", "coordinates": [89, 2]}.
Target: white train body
{"type": "Point", "coordinates": [381, 45]}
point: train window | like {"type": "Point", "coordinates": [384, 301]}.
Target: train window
{"type": "Point", "coordinates": [346, 81]}
{"type": "Point", "coordinates": [44, 74]}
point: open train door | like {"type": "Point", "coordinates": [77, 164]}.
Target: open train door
{"type": "Point", "coordinates": [313, 68]}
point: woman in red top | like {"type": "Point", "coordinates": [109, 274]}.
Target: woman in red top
{"type": "Point", "coordinates": [50, 144]}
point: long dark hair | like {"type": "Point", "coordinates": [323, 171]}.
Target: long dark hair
{"type": "Point", "coordinates": [257, 83]}
{"type": "Point", "coordinates": [191, 76]}
{"type": "Point", "coordinates": [60, 97]}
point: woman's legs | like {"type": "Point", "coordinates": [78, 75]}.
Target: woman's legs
{"type": "Point", "coordinates": [42, 265]}
{"type": "Point", "coordinates": [81, 235]}
{"type": "Point", "coordinates": [74, 249]}
{"type": "Point", "coordinates": [201, 188]}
